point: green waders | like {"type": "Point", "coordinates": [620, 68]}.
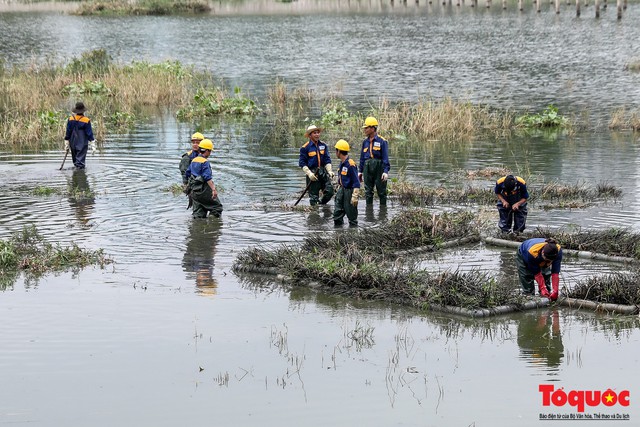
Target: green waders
{"type": "Point", "coordinates": [527, 280]}
{"type": "Point", "coordinates": [185, 162]}
{"type": "Point", "coordinates": [343, 206]}
{"type": "Point", "coordinates": [203, 200]}
{"type": "Point", "coordinates": [372, 176]}
{"type": "Point", "coordinates": [323, 183]}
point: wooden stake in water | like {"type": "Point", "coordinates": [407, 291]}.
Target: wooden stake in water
{"type": "Point", "coordinates": [538, 3]}
{"type": "Point", "coordinates": [557, 7]}
{"type": "Point", "coordinates": [578, 7]}
{"type": "Point", "coordinates": [520, 5]}
{"type": "Point", "coordinates": [504, 4]}
{"type": "Point", "coordinates": [597, 8]}
{"type": "Point", "coordinates": [604, 4]}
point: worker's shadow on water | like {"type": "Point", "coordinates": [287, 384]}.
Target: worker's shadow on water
{"type": "Point", "coordinates": [199, 257]}
{"type": "Point", "coordinates": [81, 197]}
{"type": "Point", "coordinates": [540, 339]}
{"type": "Point", "coordinates": [370, 213]}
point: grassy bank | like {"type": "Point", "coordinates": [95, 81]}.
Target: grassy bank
{"type": "Point", "coordinates": [143, 7]}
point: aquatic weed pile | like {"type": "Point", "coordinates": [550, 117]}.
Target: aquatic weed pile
{"type": "Point", "coordinates": [562, 195]}
{"type": "Point", "coordinates": [362, 264]}
{"type": "Point", "coordinates": [28, 251]}
{"type": "Point", "coordinates": [616, 288]}
{"type": "Point", "coordinates": [613, 241]}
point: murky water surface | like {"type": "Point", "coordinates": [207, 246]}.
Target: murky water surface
{"type": "Point", "coordinates": [169, 335]}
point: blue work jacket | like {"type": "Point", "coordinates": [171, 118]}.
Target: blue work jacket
{"type": "Point", "coordinates": [348, 174]}
{"type": "Point", "coordinates": [531, 251]}
{"type": "Point", "coordinates": [376, 149]}
{"type": "Point", "coordinates": [314, 156]}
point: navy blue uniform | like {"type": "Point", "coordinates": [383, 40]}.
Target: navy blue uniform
{"type": "Point", "coordinates": [203, 200]}
{"type": "Point", "coordinates": [374, 161]}
{"type": "Point", "coordinates": [315, 157]}
{"type": "Point", "coordinates": [79, 133]}
{"type": "Point", "coordinates": [348, 180]}
{"type": "Point", "coordinates": [509, 215]}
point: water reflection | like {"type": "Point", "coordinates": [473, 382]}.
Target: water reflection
{"type": "Point", "coordinates": [199, 257]}
{"type": "Point", "coordinates": [369, 214]}
{"type": "Point", "coordinates": [540, 339]}
{"type": "Point", "coordinates": [318, 218]}
{"type": "Point", "coordinates": [81, 197]}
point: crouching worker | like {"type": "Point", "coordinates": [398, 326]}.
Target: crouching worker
{"type": "Point", "coordinates": [346, 201]}
{"type": "Point", "coordinates": [202, 191]}
{"type": "Point", "coordinates": [539, 259]}
{"type": "Point", "coordinates": [512, 203]}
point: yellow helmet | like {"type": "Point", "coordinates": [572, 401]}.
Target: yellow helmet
{"type": "Point", "coordinates": [370, 121]}
{"type": "Point", "coordinates": [206, 144]}
{"type": "Point", "coordinates": [197, 136]}
{"type": "Point", "coordinates": [342, 145]}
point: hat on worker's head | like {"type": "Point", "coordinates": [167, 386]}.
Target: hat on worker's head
{"type": "Point", "coordinates": [79, 108]}
{"type": "Point", "coordinates": [197, 136]}
{"type": "Point", "coordinates": [310, 129]}
{"type": "Point", "coordinates": [509, 183]}
{"type": "Point", "coordinates": [550, 250]}
{"type": "Point", "coordinates": [342, 145]}
{"type": "Point", "coordinates": [206, 144]}
{"type": "Point", "coordinates": [370, 122]}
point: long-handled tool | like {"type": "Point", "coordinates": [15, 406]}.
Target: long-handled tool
{"type": "Point", "coordinates": [303, 193]}
{"type": "Point", "coordinates": [65, 159]}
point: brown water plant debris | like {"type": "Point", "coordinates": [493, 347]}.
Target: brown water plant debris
{"type": "Point", "coordinates": [28, 251]}
{"type": "Point", "coordinates": [615, 288]}
{"type": "Point", "coordinates": [613, 241]}
{"type": "Point", "coordinates": [559, 195]}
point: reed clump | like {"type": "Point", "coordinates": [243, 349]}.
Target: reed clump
{"type": "Point", "coordinates": [615, 288]}
{"type": "Point", "coordinates": [446, 120]}
{"type": "Point", "coordinates": [623, 119]}
{"type": "Point", "coordinates": [558, 195]}
{"type": "Point", "coordinates": [113, 93]}
{"type": "Point", "coordinates": [28, 251]}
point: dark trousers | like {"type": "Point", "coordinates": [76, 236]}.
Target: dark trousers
{"type": "Point", "coordinates": [344, 207]}
{"type": "Point", "coordinates": [372, 177]}
{"type": "Point", "coordinates": [323, 183]}
{"type": "Point", "coordinates": [78, 153]}
{"type": "Point", "coordinates": [509, 216]}
{"type": "Point", "coordinates": [527, 280]}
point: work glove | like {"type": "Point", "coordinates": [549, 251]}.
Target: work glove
{"type": "Point", "coordinates": [542, 287]}
{"type": "Point", "coordinates": [310, 174]}
{"type": "Point", "coordinates": [354, 197]}
{"type": "Point", "coordinates": [66, 144]}
{"type": "Point", "coordinates": [93, 145]}
{"type": "Point", "coordinates": [385, 176]}
{"type": "Point", "coordinates": [555, 286]}
{"type": "Point", "coordinates": [327, 167]}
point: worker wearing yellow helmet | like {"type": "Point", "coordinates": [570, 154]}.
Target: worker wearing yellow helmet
{"type": "Point", "coordinates": [202, 190]}
{"type": "Point", "coordinates": [346, 201]}
{"type": "Point", "coordinates": [189, 156]}
{"type": "Point", "coordinates": [374, 162]}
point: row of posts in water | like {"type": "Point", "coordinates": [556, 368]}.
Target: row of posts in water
{"type": "Point", "coordinates": [620, 4]}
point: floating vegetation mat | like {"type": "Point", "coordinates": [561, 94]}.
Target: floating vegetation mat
{"type": "Point", "coordinates": [363, 264]}
{"type": "Point", "coordinates": [615, 288]}
{"type": "Point", "coordinates": [559, 195]}
{"type": "Point", "coordinates": [28, 251]}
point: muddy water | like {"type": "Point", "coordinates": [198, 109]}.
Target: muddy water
{"type": "Point", "coordinates": [169, 335]}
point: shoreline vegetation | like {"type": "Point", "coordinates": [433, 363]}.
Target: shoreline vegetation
{"type": "Point", "coordinates": [118, 93]}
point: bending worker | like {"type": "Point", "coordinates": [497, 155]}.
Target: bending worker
{"type": "Point", "coordinates": [512, 203]}
{"type": "Point", "coordinates": [201, 189]}
{"type": "Point", "coordinates": [539, 259]}
{"type": "Point", "coordinates": [188, 157]}
{"type": "Point", "coordinates": [316, 164]}
{"type": "Point", "coordinates": [374, 162]}
{"type": "Point", "coordinates": [349, 187]}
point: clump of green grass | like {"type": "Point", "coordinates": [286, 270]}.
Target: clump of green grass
{"type": "Point", "coordinates": [44, 191]}
{"type": "Point", "coordinates": [633, 65]}
{"type": "Point", "coordinates": [215, 101]}
{"type": "Point", "coordinates": [618, 288]}
{"type": "Point", "coordinates": [550, 117]}
{"type": "Point", "coordinates": [28, 251]}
